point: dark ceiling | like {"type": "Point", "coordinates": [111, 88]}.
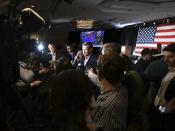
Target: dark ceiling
{"type": "Point", "coordinates": [61, 14]}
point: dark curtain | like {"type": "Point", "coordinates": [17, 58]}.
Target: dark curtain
{"type": "Point", "coordinates": [112, 35]}
{"type": "Point", "coordinates": [129, 36]}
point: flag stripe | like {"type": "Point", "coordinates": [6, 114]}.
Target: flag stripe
{"type": "Point", "coordinates": [164, 43]}
{"type": "Point", "coordinates": [164, 33]}
{"type": "Point", "coordinates": [170, 30]}
{"type": "Point", "coordinates": [164, 40]}
{"type": "Point", "coordinates": [166, 27]}
{"type": "Point", "coordinates": [145, 45]}
{"type": "Point", "coordinates": [171, 36]}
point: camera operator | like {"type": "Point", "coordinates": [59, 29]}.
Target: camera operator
{"type": "Point", "coordinates": [9, 71]}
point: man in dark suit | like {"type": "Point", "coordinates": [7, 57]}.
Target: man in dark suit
{"type": "Point", "coordinates": [90, 60]}
{"type": "Point", "coordinates": [55, 55]}
{"type": "Point", "coordinates": [141, 65]}
{"type": "Point", "coordinates": [71, 52]}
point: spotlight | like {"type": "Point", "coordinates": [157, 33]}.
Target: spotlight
{"type": "Point", "coordinates": [40, 47]}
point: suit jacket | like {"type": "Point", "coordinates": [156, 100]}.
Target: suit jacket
{"type": "Point", "coordinates": [92, 62]}
{"type": "Point", "coordinates": [59, 54]}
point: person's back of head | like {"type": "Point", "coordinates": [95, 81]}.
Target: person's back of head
{"type": "Point", "coordinates": [153, 51]}
{"type": "Point", "coordinates": [128, 63]}
{"type": "Point", "coordinates": [111, 68]}
{"type": "Point", "coordinates": [70, 99]}
{"type": "Point", "coordinates": [111, 48]}
{"type": "Point", "coordinates": [145, 51]}
{"type": "Point", "coordinates": [146, 54]}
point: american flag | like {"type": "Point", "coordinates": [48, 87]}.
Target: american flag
{"type": "Point", "coordinates": [165, 34]}
{"type": "Point", "coordinates": [145, 39]}
{"type": "Point", "coordinates": [149, 37]}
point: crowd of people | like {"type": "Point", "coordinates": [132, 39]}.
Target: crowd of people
{"type": "Point", "coordinates": [78, 90]}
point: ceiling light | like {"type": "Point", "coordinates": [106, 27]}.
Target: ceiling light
{"type": "Point", "coordinates": [31, 11]}
{"type": "Point", "coordinates": [84, 23]}
{"type": "Point", "coordinates": [121, 25]}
